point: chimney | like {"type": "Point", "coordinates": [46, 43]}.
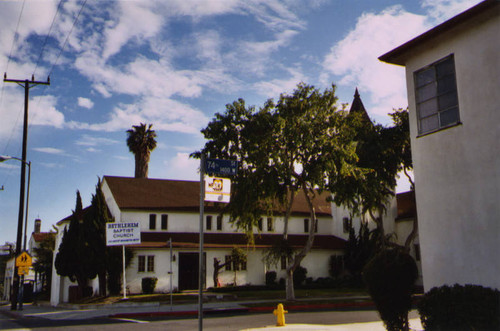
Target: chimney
{"type": "Point", "coordinates": [38, 225]}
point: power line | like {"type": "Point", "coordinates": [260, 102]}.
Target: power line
{"type": "Point", "coordinates": [67, 37]}
{"type": "Point", "coordinates": [47, 36]}
{"type": "Point", "coordinates": [16, 36]}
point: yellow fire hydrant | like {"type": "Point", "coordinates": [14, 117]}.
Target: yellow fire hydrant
{"type": "Point", "coordinates": [280, 312]}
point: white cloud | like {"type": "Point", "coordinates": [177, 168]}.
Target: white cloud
{"type": "Point", "coordinates": [355, 58]}
{"type": "Point", "coordinates": [274, 87]}
{"type": "Point", "coordinates": [183, 167]}
{"type": "Point", "coordinates": [49, 150]}
{"type": "Point", "coordinates": [441, 10]}
{"type": "Point", "coordinates": [127, 26]}
{"type": "Point", "coordinates": [88, 140]}
{"type": "Point", "coordinates": [85, 103]}
{"type": "Point", "coordinates": [43, 112]}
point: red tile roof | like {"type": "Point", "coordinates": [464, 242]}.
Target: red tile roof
{"type": "Point", "coordinates": [38, 237]}
{"type": "Point", "coordinates": [180, 195]}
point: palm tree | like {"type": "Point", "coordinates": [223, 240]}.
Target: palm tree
{"type": "Point", "coordinates": [141, 141]}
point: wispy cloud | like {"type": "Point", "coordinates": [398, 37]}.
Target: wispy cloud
{"type": "Point", "coordinates": [88, 140]}
{"type": "Point", "coordinates": [49, 150]}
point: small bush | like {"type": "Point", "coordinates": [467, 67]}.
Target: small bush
{"type": "Point", "coordinates": [389, 277]}
{"type": "Point", "coordinates": [270, 278]}
{"type": "Point", "coordinates": [149, 284]}
{"type": "Point", "coordinates": [469, 307]}
{"type": "Point", "coordinates": [299, 276]}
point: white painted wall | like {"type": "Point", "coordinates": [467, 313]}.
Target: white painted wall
{"type": "Point", "coordinates": [457, 170]}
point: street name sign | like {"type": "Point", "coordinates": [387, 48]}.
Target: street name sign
{"type": "Point", "coordinates": [123, 233]}
{"type": "Point", "coordinates": [221, 167]}
{"type": "Point", "coordinates": [217, 189]}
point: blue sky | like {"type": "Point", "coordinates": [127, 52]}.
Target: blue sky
{"type": "Point", "coordinates": [175, 64]}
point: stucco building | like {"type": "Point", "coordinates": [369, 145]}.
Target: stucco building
{"type": "Point", "coordinates": [453, 77]}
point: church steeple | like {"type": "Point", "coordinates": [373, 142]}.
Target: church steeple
{"type": "Point", "coordinates": [358, 107]}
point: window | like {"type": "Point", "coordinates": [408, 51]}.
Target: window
{"type": "Point", "coordinates": [219, 222]}
{"type": "Point", "coordinates": [306, 225]}
{"type": "Point", "coordinates": [346, 223]}
{"type": "Point", "coordinates": [283, 263]}
{"type": "Point", "coordinates": [209, 222]}
{"type": "Point", "coordinates": [227, 262]}
{"type": "Point", "coordinates": [152, 221]}
{"type": "Point", "coordinates": [142, 263]}
{"type": "Point", "coordinates": [316, 225]}
{"type": "Point", "coordinates": [164, 222]}
{"type": "Point", "coordinates": [270, 224]}
{"type": "Point", "coordinates": [151, 263]}
{"type": "Point", "coordinates": [436, 96]}
{"type": "Point", "coordinates": [259, 224]}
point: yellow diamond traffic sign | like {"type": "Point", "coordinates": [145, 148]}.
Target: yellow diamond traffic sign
{"type": "Point", "coordinates": [23, 260]}
{"type": "Point", "coordinates": [23, 270]}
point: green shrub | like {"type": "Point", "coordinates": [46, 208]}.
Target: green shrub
{"type": "Point", "coordinates": [469, 307]}
{"type": "Point", "coordinates": [149, 284]}
{"type": "Point", "coordinates": [390, 277]}
{"type": "Point", "coordinates": [299, 276]}
{"type": "Point", "coordinates": [270, 278]}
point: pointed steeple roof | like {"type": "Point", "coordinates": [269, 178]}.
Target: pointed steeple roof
{"type": "Point", "coordinates": [358, 107]}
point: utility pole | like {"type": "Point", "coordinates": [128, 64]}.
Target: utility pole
{"type": "Point", "coordinates": [27, 84]}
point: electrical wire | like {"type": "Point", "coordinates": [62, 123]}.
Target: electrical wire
{"type": "Point", "coordinates": [47, 36]}
{"type": "Point", "coordinates": [16, 36]}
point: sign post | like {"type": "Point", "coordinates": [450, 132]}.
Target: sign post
{"type": "Point", "coordinates": [215, 189]}
{"type": "Point", "coordinates": [123, 234]}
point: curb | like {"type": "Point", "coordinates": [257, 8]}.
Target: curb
{"type": "Point", "coordinates": [216, 311]}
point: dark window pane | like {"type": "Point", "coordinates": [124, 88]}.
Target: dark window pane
{"type": "Point", "coordinates": [259, 224]}
{"type": "Point", "coordinates": [425, 77]}
{"type": "Point", "coordinates": [426, 92]}
{"type": "Point", "coordinates": [446, 84]}
{"type": "Point", "coordinates": [151, 263]}
{"type": "Point", "coordinates": [209, 222]}
{"type": "Point", "coordinates": [164, 222]}
{"type": "Point", "coordinates": [445, 67]}
{"type": "Point", "coordinates": [152, 221]}
{"type": "Point", "coordinates": [427, 108]}
{"type": "Point", "coordinates": [142, 263]}
{"type": "Point", "coordinates": [306, 225]}
{"type": "Point", "coordinates": [429, 123]}
{"type": "Point", "coordinates": [449, 116]}
{"type": "Point", "coordinates": [219, 222]}
{"type": "Point", "coordinates": [448, 100]}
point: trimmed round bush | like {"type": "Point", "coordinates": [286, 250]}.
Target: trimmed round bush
{"type": "Point", "coordinates": [149, 284]}
{"type": "Point", "coordinates": [390, 277]}
{"type": "Point", "coordinates": [469, 307]}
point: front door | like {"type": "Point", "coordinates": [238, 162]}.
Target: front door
{"type": "Point", "coordinates": [188, 271]}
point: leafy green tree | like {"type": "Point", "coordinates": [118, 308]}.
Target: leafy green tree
{"type": "Point", "coordinates": [238, 259]}
{"type": "Point", "coordinates": [300, 143]}
{"type": "Point", "coordinates": [383, 152]}
{"type": "Point", "coordinates": [43, 264]}
{"type": "Point", "coordinates": [76, 257]}
{"type": "Point", "coordinates": [141, 141]}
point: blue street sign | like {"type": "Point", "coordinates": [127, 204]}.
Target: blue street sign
{"type": "Point", "coordinates": [221, 167]}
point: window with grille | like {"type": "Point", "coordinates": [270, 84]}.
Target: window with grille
{"type": "Point", "coordinates": [436, 96]}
